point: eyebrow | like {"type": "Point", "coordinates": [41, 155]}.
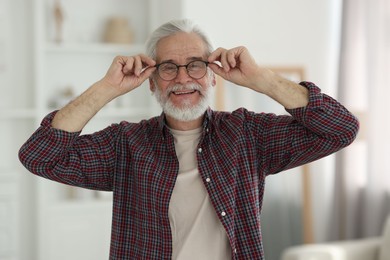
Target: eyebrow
{"type": "Point", "coordinates": [189, 59]}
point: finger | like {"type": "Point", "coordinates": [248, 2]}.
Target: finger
{"type": "Point", "coordinates": [137, 66]}
{"type": "Point", "coordinates": [224, 61]}
{"type": "Point", "coordinates": [231, 58]}
{"type": "Point", "coordinates": [119, 61]}
{"type": "Point", "coordinates": [127, 63]}
{"type": "Point", "coordinates": [147, 61]}
{"type": "Point", "coordinates": [143, 76]}
{"type": "Point", "coordinates": [221, 55]}
{"type": "Point", "coordinates": [215, 55]}
{"type": "Point", "coordinates": [147, 72]}
{"type": "Point", "coordinates": [218, 70]}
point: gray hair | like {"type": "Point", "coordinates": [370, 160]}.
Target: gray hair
{"type": "Point", "coordinates": [171, 28]}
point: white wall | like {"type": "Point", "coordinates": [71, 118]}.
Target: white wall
{"type": "Point", "coordinates": [300, 32]}
{"type": "Point", "coordinates": [282, 33]}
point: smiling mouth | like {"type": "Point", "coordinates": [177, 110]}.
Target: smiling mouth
{"type": "Point", "coordinates": [184, 92]}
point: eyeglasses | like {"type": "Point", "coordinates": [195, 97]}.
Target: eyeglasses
{"type": "Point", "coordinates": [195, 69]}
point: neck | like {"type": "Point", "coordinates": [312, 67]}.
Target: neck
{"type": "Point", "coordinates": [183, 125]}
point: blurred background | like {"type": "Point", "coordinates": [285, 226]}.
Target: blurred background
{"type": "Point", "coordinates": [52, 50]}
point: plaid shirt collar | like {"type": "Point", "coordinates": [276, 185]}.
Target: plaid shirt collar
{"type": "Point", "coordinates": [206, 120]}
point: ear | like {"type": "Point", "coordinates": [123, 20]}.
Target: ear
{"type": "Point", "coordinates": [213, 79]}
{"type": "Point", "coordinates": [152, 86]}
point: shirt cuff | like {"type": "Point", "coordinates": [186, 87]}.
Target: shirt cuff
{"type": "Point", "coordinates": [56, 135]}
{"type": "Point", "coordinates": [315, 101]}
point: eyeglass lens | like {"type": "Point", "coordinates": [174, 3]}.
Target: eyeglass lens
{"type": "Point", "coordinates": [195, 69]}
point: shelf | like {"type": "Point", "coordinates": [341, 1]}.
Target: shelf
{"type": "Point", "coordinates": [94, 48]}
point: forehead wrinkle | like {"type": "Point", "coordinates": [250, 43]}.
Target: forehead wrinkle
{"type": "Point", "coordinates": [180, 47]}
{"type": "Point", "coordinates": [189, 59]}
{"type": "Point", "coordinates": [178, 55]}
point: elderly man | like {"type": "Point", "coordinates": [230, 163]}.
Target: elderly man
{"type": "Point", "coordinates": [187, 184]}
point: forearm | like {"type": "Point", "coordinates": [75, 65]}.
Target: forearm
{"type": "Point", "coordinates": [74, 116]}
{"type": "Point", "coordinates": [239, 67]}
{"type": "Point", "coordinates": [289, 94]}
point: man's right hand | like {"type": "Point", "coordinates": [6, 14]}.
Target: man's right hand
{"type": "Point", "coordinates": [124, 75]}
{"type": "Point", "coordinates": [127, 73]}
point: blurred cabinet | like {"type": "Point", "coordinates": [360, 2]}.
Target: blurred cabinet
{"type": "Point", "coordinates": [66, 43]}
{"type": "Point", "coordinates": [8, 220]}
{"type": "Point", "coordinates": [71, 54]}
{"type": "Point", "coordinates": [16, 121]}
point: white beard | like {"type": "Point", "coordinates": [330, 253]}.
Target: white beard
{"type": "Point", "coordinates": [187, 112]}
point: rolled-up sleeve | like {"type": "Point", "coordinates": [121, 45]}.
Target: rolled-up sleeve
{"type": "Point", "coordinates": [326, 117]}
{"type": "Point", "coordinates": [312, 132]}
{"type": "Point", "coordinates": [81, 160]}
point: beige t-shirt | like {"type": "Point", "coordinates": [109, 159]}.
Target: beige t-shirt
{"type": "Point", "coordinates": [197, 232]}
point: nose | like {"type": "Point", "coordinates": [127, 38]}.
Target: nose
{"type": "Point", "coordinates": [182, 75]}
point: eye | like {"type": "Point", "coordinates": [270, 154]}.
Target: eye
{"type": "Point", "coordinates": [196, 65]}
{"type": "Point", "coordinates": [168, 67]}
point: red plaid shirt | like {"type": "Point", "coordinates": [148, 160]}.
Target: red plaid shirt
{"type": "Point", "coordinates": [237, 150]}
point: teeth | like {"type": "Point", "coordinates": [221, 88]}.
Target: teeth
{"type": "Point", "coordinates": [183, 92]}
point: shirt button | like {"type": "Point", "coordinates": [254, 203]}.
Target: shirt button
{"type": "Point", "coordinates": [208, 179]}
{"type": "Point", "coordinates": [199, 150]}
{"type": "Point", "coordinates": [235, 250]}
{"type": "Point", "coordinates": [223, 213]}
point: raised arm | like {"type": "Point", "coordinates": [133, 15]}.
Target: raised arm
{"type": "Point", "coordinates": [239, 67]}
{"type": "Point", "coordinates": [124, 75]}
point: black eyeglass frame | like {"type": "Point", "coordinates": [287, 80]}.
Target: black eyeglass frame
{"type": "Point", "coordinates": [157, 66]}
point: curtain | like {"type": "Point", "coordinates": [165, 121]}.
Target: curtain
{"type": "Point", "coordinates": [362, 182]}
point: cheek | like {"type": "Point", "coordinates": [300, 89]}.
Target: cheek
{"type": "Point", "coordinates": [160, 86]}
{"type": "Point", "coordinates": [209, 80]}
{"type": "Point", "coordinates": [206, 85]}
{"type": "Point", "coordinates": [163, 91]}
